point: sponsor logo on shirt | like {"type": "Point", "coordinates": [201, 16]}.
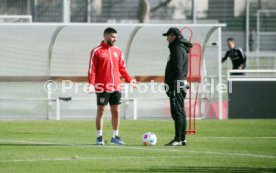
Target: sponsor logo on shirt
{"type": "Point", "coordinates": [103, 55]}
{"type": "Point", "coordinates": [115, 54]}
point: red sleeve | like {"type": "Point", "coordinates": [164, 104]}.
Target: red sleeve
{"type": "Point", "coordinates": [92, 67]}
{"type": "Point", "coordinates": [123, 70]}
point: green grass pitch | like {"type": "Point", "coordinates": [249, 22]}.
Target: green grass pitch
{"type": "Point", "coordinates": [68, 147]}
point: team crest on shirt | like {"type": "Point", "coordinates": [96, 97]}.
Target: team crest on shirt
{"type": "Point", "coordinates": [102, 100]}
{"type": "Point", "coordinates": [115, 54]}
{"type": "Point", "coordinates": [103, 55]}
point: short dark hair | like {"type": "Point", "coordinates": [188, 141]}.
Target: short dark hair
{"type": "Point", "coordinates": [109, 31]}
{"type": "Point", "coordinates": [230, 39]}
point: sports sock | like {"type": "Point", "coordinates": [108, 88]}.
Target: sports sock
{"type": "Point", "coordinates": [115, 133]}
{"type": "Point", "coordinates": [100, 133]}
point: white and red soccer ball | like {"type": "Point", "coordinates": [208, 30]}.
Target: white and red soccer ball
{"type": "Point", "coordinates": [149, 139]}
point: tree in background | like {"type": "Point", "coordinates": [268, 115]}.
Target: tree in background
{"type": "Point", "coordinates": [145, 9]}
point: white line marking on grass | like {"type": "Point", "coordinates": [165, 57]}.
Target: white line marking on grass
{"type": "Point", "coordinates": [35, 160]}
{"type": "Point", "coordinates": [90, 158]}
{"type": "Point", "coordinates": [40, 143]}
{"type": "Point", "coordinates": [146, 148]}
{"type": "Point", "coordinates": [231, 137]}
{"type": "Point", "coordinates": [201, 152]}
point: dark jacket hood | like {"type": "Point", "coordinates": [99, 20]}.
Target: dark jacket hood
{"type": "Point", "coordinates": [182, 42]}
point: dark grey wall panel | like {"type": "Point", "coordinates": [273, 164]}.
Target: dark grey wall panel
{"type": "Point", "coordinates": [252, 99]}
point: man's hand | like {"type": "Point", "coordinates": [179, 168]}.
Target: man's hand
{"type": "Point", "coordinates": [181, 83]}
{"type": "Point", "coordinates": [90, 89]}
{"type": "Point", "coordinates": [134, 83]}
{"type": "Point", "coordinates": [241, 67]}
{"type": "Point", "coordinates": [186, 84]}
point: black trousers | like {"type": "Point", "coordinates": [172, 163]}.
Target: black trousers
{"type": "Point", "coordinates": [178, 113]}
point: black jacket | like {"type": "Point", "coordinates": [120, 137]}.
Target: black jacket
{"type": "Point", "coordinates": [237, 57]}
{"type": "Point", "coordinates": [177, 65]}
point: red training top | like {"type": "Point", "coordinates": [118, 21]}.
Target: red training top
{"type": "Point", "coordinates": [106, 65]}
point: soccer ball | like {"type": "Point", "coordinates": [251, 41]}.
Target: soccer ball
{"type": "Point", "coordinates": [149, 138]}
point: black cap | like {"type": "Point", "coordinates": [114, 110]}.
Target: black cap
{"type": "Point", "coordinates": [173, 31]}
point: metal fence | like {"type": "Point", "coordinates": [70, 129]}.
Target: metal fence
{"type": "Point", "coordinates": [241, 16]}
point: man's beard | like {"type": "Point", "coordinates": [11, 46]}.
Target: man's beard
{"type": "Point", "coordinates": [110, 43]}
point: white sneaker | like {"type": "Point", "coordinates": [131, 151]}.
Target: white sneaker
{"type": "Point", "coordinates": [174, 143]}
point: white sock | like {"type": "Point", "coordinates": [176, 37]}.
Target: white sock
{"type": "Point", "coordinates": [99, 133]}
{"type": "Point", "coordinates": [115, 133]}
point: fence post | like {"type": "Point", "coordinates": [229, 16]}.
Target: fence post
{"type": "Point", "coordinates": [57, 109]}
{"type": "Point", "coordinates": [135, 109]}
{"type": "Point", "coordinates": [66, 11]}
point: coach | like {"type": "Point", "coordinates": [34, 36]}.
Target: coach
{"type": "Point", "coordinates": [175, 78]}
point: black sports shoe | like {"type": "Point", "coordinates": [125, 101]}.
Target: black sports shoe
{"type": "Point", "coordinates": [117, 141]}
{"type": "Point", "coordinates": [100, 140]}
{"type": "Point", "coordinates": [174, 143]}
{"type": "Point", "coordinates": [184, 142]}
